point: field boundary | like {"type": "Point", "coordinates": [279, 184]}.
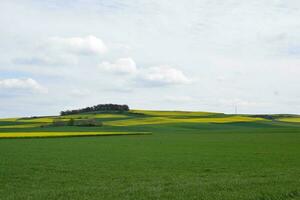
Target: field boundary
{"type": "Point", "coordinates": [66, 134]}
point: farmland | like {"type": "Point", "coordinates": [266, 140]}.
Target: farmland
{"type": "Point", "coordinates": [151, 155]}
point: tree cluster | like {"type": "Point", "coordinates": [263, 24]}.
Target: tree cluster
{"type": "Point", "coordinates": [97, 108]}
{"type": "Point", "coordinates": [77, 122]}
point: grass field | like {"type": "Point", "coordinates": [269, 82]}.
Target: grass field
{"type": "Point", "coordinates": [183, 155]}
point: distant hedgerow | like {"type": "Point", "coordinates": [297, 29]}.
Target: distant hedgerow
{"type": "Point", "coordinates": [97, 108]}
{"type": "Point", "coordinates": [77, 122]}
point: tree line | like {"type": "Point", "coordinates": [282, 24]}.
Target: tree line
{"type": "Point", "coordinates": [76, 122]}
{"type": "Point", "coordinates": [97, 108]}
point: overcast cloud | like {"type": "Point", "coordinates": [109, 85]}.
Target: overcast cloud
{"type": "Point", "coordinates": [151, 54]}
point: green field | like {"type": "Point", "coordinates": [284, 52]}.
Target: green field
{"type": "Point", "coordinates": [151, 155]}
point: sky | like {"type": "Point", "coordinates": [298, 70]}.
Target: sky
{"type": "Point", "coordinates": [198, 55]}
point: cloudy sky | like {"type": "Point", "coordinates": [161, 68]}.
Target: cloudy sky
{"type": "Point", "coordinates": [207, 55]}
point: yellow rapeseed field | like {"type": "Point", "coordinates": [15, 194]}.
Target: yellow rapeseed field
{"type": "Point", "coordinates": [290, 119]}
{"type": "Point", "coordinates": [63, 134]}
{"type": "Point", "coordinates": [8, 119]}
{"type": "Point", "coordinates": [38, 120]}
{"type": "Point", "coordinates": [100, 116]}
{"type": "Point", "coordinates": [172, 113]}
{"type": "Point", "coordinates": [167, 120]}
{"type": "Point", "coordinates": [22, 125]}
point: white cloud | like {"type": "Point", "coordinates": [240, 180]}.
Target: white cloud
{"type": "Point", "coordinates": [47, 60]}
{"type": "Point", "coordinates": [61, 51]}
{"type": "Point", "coordinates": [121, 66]}
{"type": "Point", "coordinates": [80, 93]}
{"type": "Point", "coordinates": [233, 50]}
{"type": "Point", "coordinates": [240, 102]}
{"type": "Point", "coordinates": [22, 84]}
{"type": "Point", "coordinates": [88, 45]}
{"type": "Point", "coordinates": [162, 75]}
{"type": "Point", "coordinates": [178, 99]}
{"type": "Point", "coordinates": [154, 76]}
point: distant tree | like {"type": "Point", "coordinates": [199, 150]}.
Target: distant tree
{"type": "Point", "coordinates": [98, 108]}
{"type": "Point", "coordinates": [77, 122]}
{"type": "Point", "coordinates": [71, 122]}
{"type": "Point", "coordinates": [59, 122]}
{"type": "Point", "coordinates": [88, 122]}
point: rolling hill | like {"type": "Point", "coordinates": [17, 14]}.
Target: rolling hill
{"type": "Point", "coordinates": [150, 155]}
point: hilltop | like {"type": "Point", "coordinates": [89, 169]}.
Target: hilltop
{"type": "Point", "coordinates": [131, 122]}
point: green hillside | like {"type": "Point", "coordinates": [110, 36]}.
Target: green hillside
{"type": "Point", "coordinates": [131, 122]}
{"type": "Point", "coordinates": [153, 155]}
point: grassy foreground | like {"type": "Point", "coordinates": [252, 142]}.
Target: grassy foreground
{"type": "Point", "coordinates": [188, 155]}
